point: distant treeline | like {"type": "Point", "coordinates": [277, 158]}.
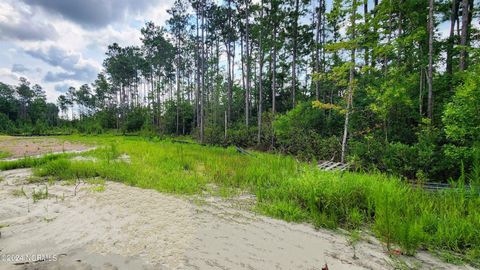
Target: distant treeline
{"type": "Point", "coordinates": [25, 110]}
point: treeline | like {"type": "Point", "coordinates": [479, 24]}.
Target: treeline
{"type": "Point", "coordinates": [25, 111]}
{"type": "Point", "coordinates": [374, 84]}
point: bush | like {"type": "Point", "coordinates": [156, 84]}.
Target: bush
{"type": "Point", "coordinates": [303, 132]}
{"type": "Point", "coordinates": [242, 136]}
{"type": "Point", "coordinates": [6, 125]}
{"type": "Point", "coordinates": [89, 126]}
{"type": "Point", "coordinates": [461, 116]}
{"type": "Point", "coordinates": [40, 128]}
{"type": "Point", "coordinates": [134, 121]}
{"type": "Point", "coordinates": [367, 153]}
{"type": "Point", "coordinates": [214, 134]}
{"type": "Point", "coordinates": [426, 157]}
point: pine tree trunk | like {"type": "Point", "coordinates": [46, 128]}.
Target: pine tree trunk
{"type": "Point", "coordinates": [351, 83]}
{"type": "Point", "coordinates": [317, 48]}
{"type": "Point", "coordinates": [366, 48]}
{"type": "Point", "coordinates": [247, 45]}
{"type": "Point", "coordinates": [229, 94]}
{"type": "Point", "coordinates": [430, 61]}
{"type": "Point", "coordinates": [202, 68]}
{"type": "Point", "coordinates": [294, 60]}
{"type": "Point", "coordinates": [274, 70]}
{"type": "Point", "coordinates": [197, 87]}
{"type": "Point", "coordinates": [451, 39]}
{"type": "Point", "coordinates": [464, 35]}
{"type": "Point", "coordinates": [260, 78]}
{"type": "Point", "coordinates": [177, 75]}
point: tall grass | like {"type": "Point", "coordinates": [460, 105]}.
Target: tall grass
{"type": "Point", "coordinates": [28, 162]}
{"type": "Point", "coordinates": [399, 215]}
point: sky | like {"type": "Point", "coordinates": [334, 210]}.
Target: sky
{"type": "Point", "coordinates": [62, 43]}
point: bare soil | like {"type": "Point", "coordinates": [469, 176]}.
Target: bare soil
{"type": "Point", "coordinates": [19, 147]}
{"type": "Point", "coordinates": [125, 227]}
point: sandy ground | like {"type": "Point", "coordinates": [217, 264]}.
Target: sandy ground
{"type": "Point", "coordinates": [32, 146]}
{"type": "Point", "coordinates": [125, 227]}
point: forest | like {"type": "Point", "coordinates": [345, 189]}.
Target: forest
{"type": "Point", "coordinates": [390, 86]}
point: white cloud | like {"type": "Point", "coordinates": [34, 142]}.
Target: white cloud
{"type": "Point", "coordinates": [14, 24]}
{"type": "Point", "coordinates": [61, 47]}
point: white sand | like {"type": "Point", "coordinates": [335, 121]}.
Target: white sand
{"type": "Point", "coordinates": [130, 228]}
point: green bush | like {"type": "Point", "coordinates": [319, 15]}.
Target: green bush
{"type": "Point", "coordinates": [242, 136]}
{"type": "Point", "coordinates": [214, 135]}
{"type": "Point", "coordinates": [367, 153]}
{"type": "Point", "coordinates": [135, 120]}
{"type": "Point", "coordinates": [303, 132]}
{"type": "Point", "coordinates": [6, 125]}
{"type": "Point", "coordinates": [461, 116]}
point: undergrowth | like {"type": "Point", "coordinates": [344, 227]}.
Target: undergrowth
{"type": "Point", "coordinates": [401, 216]}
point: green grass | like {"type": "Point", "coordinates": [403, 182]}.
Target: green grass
{"type": "Point", "coordinates": [28, 162]}
{"type": "Point", "coordinates": [400, 216]}
{"type": "Point", "coordinates": [4, 154]}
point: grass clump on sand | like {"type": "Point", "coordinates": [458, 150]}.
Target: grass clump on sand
{"type": "Point", "coordinates": [28, 162]}
{"type": "Point", "coordinates": [401, 216]}
{"type": "Point", "coordinates": [40, 194]}
{"type": "Point", "coordinates": [19, 193]}
{"type": "Point", "coordinates": [4, 154]}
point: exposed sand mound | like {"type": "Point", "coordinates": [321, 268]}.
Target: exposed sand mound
{"type": "Point", "coordinates": [125, 227]}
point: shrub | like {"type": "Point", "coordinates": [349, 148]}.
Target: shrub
{"type": "Point", "coordinates": [6, 125]}
{"type": "Point", "coordinates": [304, 131]}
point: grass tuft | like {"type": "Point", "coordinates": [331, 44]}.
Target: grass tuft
{"type": "Point", "coordinates": [19, 193]}
{"type": "Point", "coordinates": [40, 194]}
{"type": "Point", "coordinates": [4, 154]}
{"type": "Point", "coordinates": [28, 162]}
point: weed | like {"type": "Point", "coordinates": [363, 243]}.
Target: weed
{"type": "Point", "coordinates": [95, 181]}
{"type": "Point", "coordinates": [399, 264]}
{"type": "Point", "coordinates": [35, 179]}
{"type": "Point", "coordinates": [19, 193]}
{"type": "Point", "coordinates": [227, 192]}
{"type": "Point", "coordinates": [40, 195]}
{"type": "Point", "coordinates": [99, 188]}
{"type": "Point", "coordinates": [449, 257]}
{"type": "Point", "coordinates": [353, 241]}
{"type": "Point", "coordinates": [46, 219]}
{"type": "Point", "coordinates": [1, 227]}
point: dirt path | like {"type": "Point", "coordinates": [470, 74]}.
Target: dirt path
{"type": "Point", "coordinates": [31, 146]}
{"type": "Point", "coordinates": [125, 227]}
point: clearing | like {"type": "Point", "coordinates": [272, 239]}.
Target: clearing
{"type": "Point", "coordinates": [90, 223]}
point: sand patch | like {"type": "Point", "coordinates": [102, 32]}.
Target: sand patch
{"type": "Point", "coordinates": [125, 227]}
{"type": "Point", "coordinates": [122, 220]}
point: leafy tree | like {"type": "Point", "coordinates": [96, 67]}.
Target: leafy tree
{"type": "Point", "coordinates": [462, 115]}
